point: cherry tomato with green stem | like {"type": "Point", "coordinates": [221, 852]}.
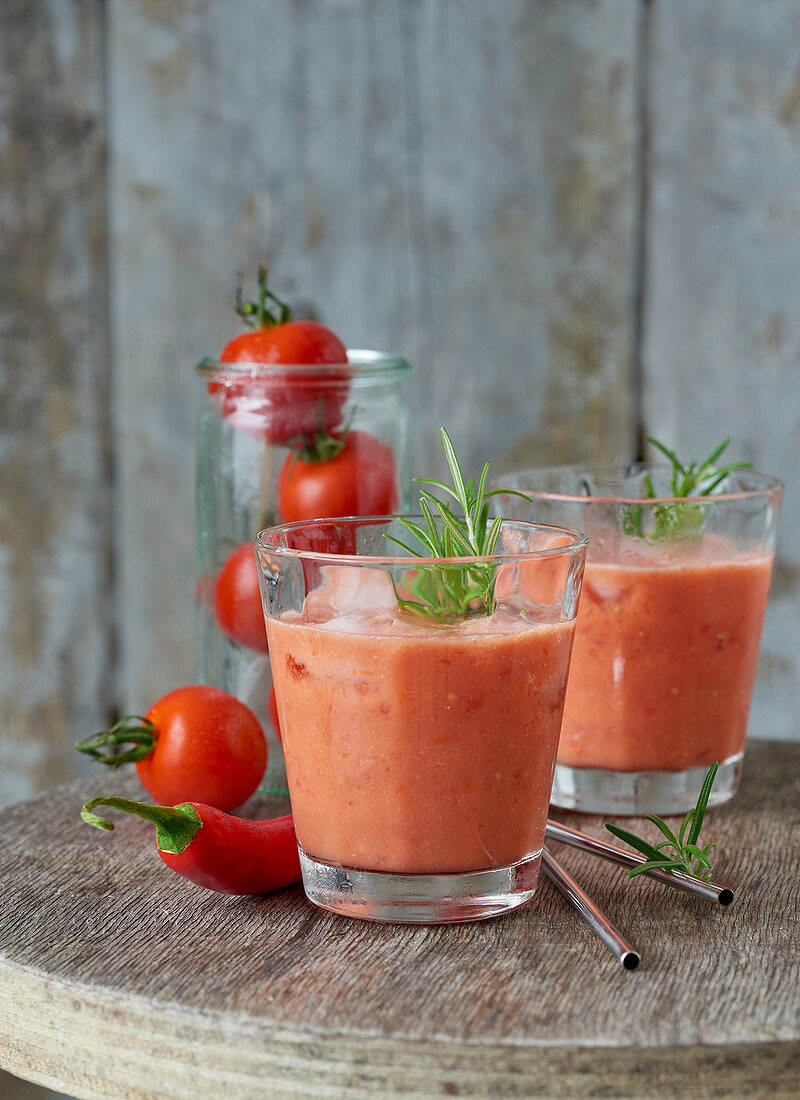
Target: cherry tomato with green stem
{"type": "Point", "coordinates": [196, 743]}
{"type": "Point", "coordinates": [282, 406]}
{"type": "Point", "coordinates": [352, 475]}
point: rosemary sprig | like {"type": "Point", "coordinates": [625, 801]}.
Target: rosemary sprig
{"type": "Point", "coordinates": [451, 592]}
{"type": "Point", "coordinates": [685, 847]}
{"type": "Point", "coordinates": [693, 479]}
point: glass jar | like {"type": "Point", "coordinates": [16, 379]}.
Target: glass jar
{"type": "Point", "coordinates": [254, 421]}
{"type": "Point", "coordinates": [668, 631]}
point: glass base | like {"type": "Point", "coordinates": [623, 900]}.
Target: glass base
{"type": "Point", "coordinates": [419, 899]}
{"type": "Point", "coordinates": [596, 791]}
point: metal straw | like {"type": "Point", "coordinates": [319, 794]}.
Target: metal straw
{"type": "Point", "coordinates": [594, 917]}
{"type": "Point", "coordinates": [707, 890]}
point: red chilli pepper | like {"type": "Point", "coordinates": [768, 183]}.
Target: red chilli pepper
{"type": "Point", "coordinates": [214, 849]}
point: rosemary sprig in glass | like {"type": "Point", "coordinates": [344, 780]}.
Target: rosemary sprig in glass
{"type": "Point", "coordinates": [685, 847]}
{"type": "Point", "coordinates": [452, 591]}
{"type": "Point", "coordinates": [692, 479]}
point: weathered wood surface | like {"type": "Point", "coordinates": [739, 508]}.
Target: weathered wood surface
{"type": "Point", "coordinates": [721, 310]}
{"type": "Point", "coordinates": [55, 505]}
{"type": "Point", "coordinates": [452, 181]}
{"type": "Point", "coordinates": [118, 979]}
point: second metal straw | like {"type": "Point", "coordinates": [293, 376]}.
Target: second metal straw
{"type": "Point", "coordinates": [593, 916]}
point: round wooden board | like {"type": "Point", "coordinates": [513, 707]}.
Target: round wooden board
{"type": "Point", "coordinates": [120, 980]}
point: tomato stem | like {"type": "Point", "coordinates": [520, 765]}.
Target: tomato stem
{"type": "Point", "coordinates": [176, 826]}
{"type": "Point", "coordinates": [259, 314]}
{"type": "Point", "coordinates": [133, 730]}
{"type": "Point", "coordinates": [321, 446]}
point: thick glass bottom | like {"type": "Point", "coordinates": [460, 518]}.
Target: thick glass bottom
{"type": "Point", "coordinates": [596, 791]}
{"type": "Point", "coordinates": [419, 899]}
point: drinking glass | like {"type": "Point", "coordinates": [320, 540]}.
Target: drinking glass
{"type": "Point", "coordinates": [419, 746]}
{"type": "Point", "coordinates": [668, 631]}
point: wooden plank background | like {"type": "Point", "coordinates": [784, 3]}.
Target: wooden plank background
{"type": "Point", "coordinates": [580, 220]}
{"type": "Point", "coordinates": [55, 507]}
{"type": "Point", "coordinates": [721, 314]}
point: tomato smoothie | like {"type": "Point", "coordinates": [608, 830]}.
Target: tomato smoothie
{"type": "Point", "coordinates": [418, 748]}
{"type": "Point", "coordinates": [666, 647]}
{"type": "Point", "coordinates": [668, 631]}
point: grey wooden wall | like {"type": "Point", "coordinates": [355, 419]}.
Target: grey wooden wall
{"type": "Point", "coordinates": [580, 219]}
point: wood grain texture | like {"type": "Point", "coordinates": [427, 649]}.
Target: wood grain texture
{"type": "Point", "coordinates": [269, 997]}
{"type": "Point", "coordinates": [54, 507]}
{"type": "Point", "coordinates": [455, 182]}
{"type": "Point", "coordinates": [722, 283]}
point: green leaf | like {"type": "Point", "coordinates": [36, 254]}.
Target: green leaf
{"type": "Point", "coordinates": [655, 865]}
{"type": "Point", "coordinates": [701, 857]}
{"type": "Point", "coordinates": [712, 458]}
{"type": "Point", "coordinates": [460, 539]}
{"type": "Point", "coordinates": [688, 480]}
{"type": "Point", "coordinates": [685, 825]}
{"type": "Point", "coordinates": [479, 499]}
{"type": "Point", "coordinates": [455, 470]}
{"type": "Point", "coordinates": [423, 536]}
{"type": "Point", "coordinates": [635, 842]}
{"type": "Point", "coordinates": [702, 803]}
{"type": "Point", "coordinates": [665, 450]}
{"type": "Point", "coordinates": [439, 485]}
{"type": "Point", "coordinates": [494, 534]}
{"type": "Point", "coordinates": [400, 543]}
{"type": "Point", "coordinates": [665, 829]}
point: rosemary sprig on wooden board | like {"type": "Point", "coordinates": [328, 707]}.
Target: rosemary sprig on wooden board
{"type": "Point", "coordinates": [685, 847]}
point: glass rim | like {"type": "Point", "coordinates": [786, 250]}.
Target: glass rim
{"type": "Point", "coordinates": [513, 480]}
{"type": "Point", "coordinates": [363, 364]}
{"type": "Point", "coordinates": [579, 541]}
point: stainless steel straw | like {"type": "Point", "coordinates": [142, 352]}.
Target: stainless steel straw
{"type": "Point", "coordinates": [707, 890]}
{"type": "Point", "coordinates": [594, 917]}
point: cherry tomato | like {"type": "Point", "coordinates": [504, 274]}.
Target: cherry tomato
{"type": "Point", "coordinates": [291, 342]}
{"type": "Point", "coordinates": [287, 406]}
{"type": "Point", "coordinates": [209, 748]}
{"type": "Point", "coordinates": [272, 707]}
{"type": "Point", "coordinates": [359, 481]}
{"type": "Point", "coordinates": [237, 600]}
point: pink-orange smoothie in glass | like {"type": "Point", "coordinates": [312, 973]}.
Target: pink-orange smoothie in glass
{"type": "Point", "coordinates": [668, 629]}
{"type": "Point", "coordinates": [415, 748]}
{"type": "Point", "coordinates": [666, 647]}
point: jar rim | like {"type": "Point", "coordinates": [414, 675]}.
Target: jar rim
{"type": "Point", "coordinates": [363, 365]}
{"type": "Point", "coordinates": [520, 481]}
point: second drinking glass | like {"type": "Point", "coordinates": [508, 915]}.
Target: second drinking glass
{"type": "Point", "coordinates": [667, 639]}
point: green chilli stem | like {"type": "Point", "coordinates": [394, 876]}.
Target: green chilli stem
{"type": "Point", "coordinates": [176, 826]}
